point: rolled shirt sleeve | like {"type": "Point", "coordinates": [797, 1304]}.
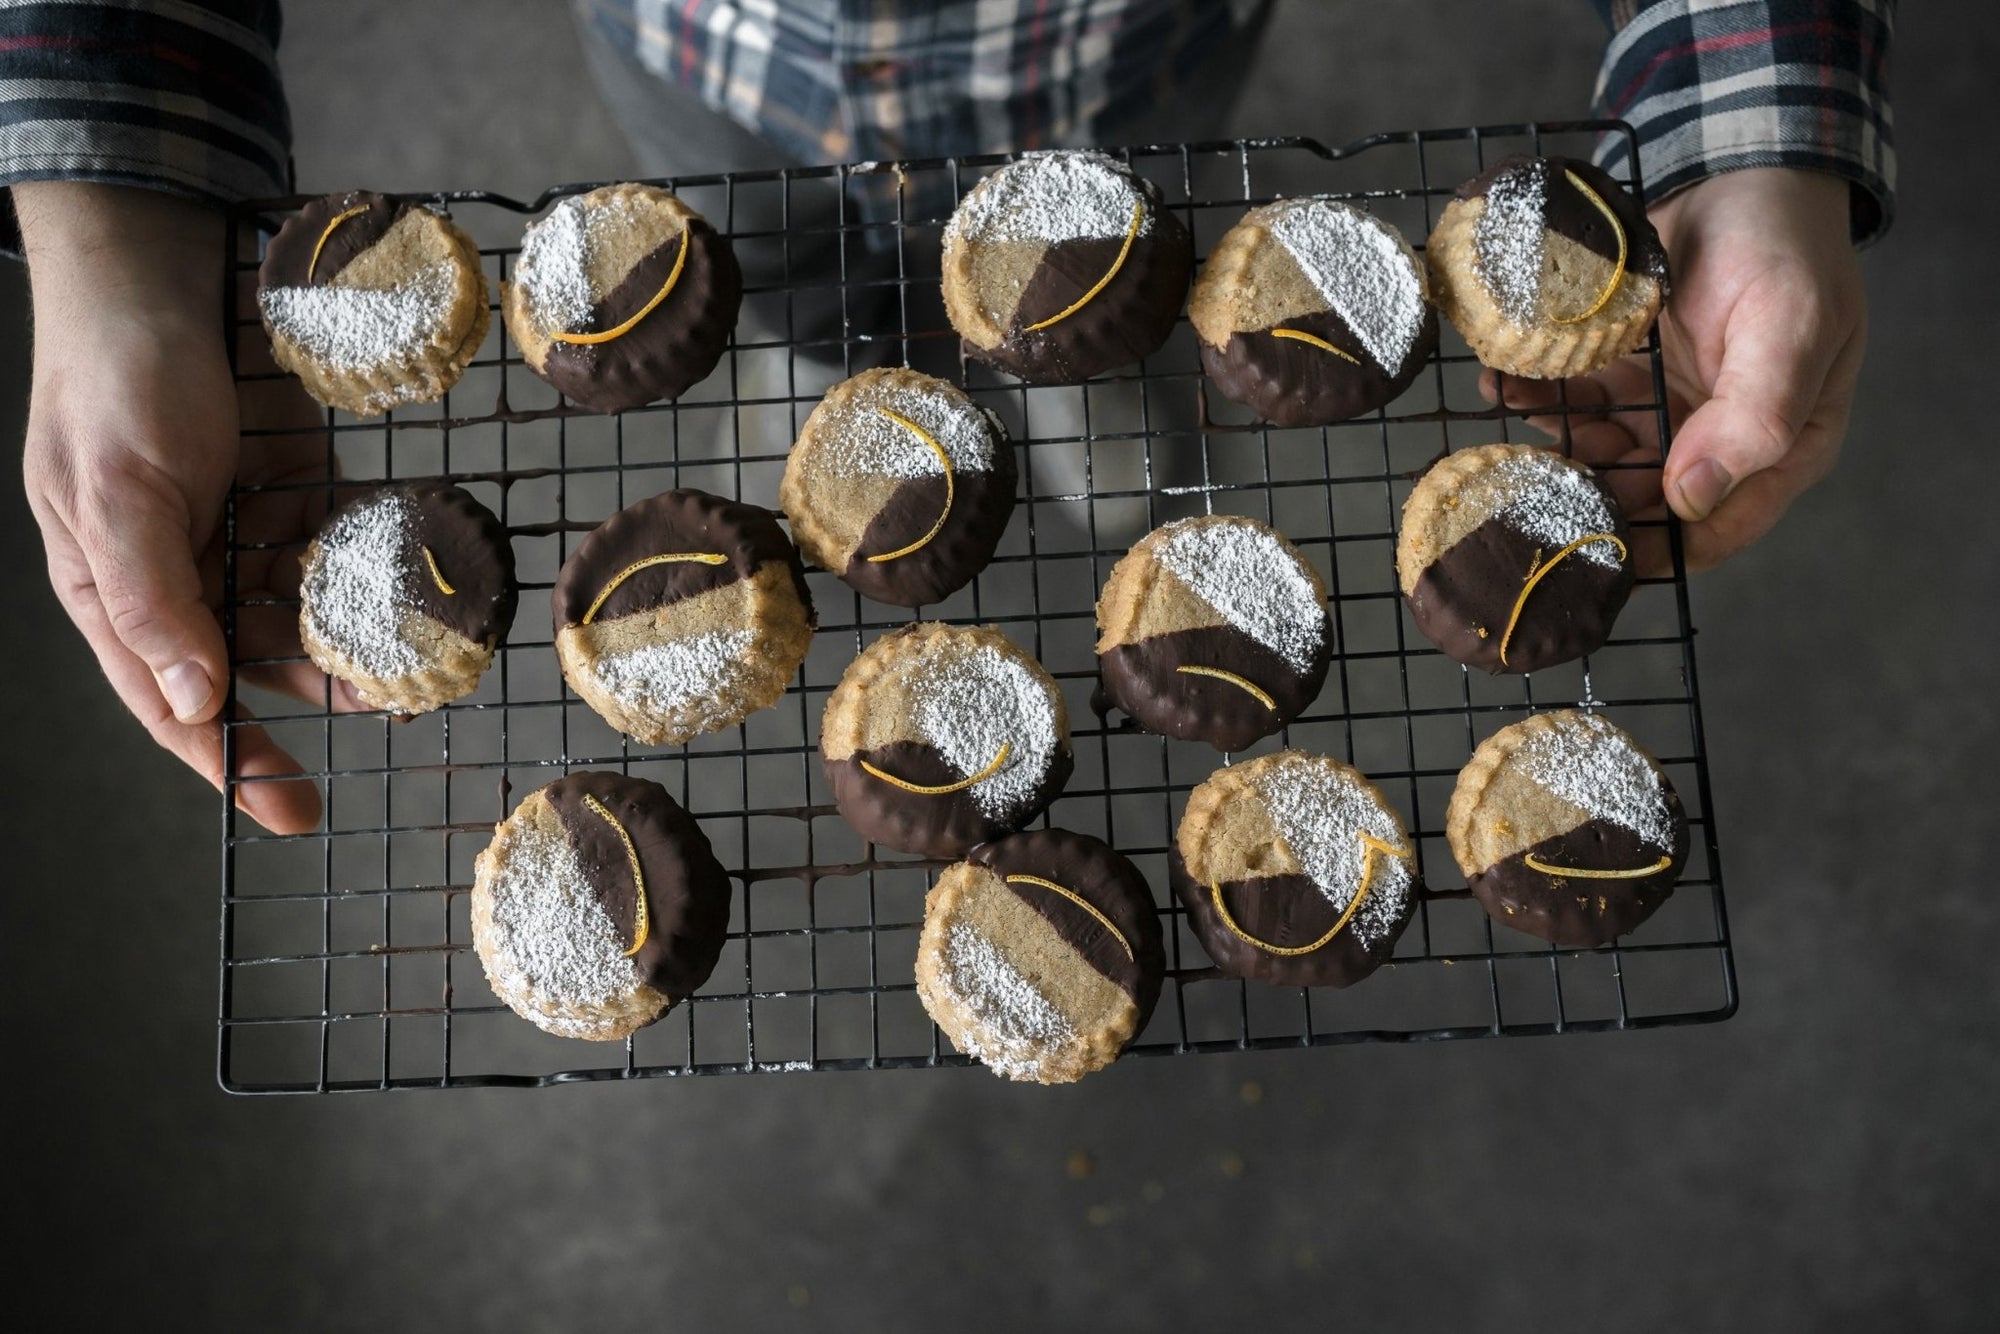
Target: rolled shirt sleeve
{"type": "Point", "coordinates": [1718, 85]}
{"type": "Point", "coordinates": [176, 95]}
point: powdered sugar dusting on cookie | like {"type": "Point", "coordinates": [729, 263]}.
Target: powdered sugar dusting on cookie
{"type": "Point", "coordinates": [969, 702]}
{"type": "Point", "coordinates": [554, 268]}
{"type": "Point", "coordinates": [1507, 240]}
{"type": "Point", "coordinates": [688, 679]}
{"type": "Point", "coordinates": [1321, 811]}
{"type": "Point", "coordinates": [552, 946]}
{"type": "Point", "coordinates": [1015, 1024]}
{"type": "Point", "coordinates": [1594, 766]}
{"type": "Point", "coordinates": [366, 330]}
{"type": "Point", "coordinates": [1242, 569]}
{"type": "Point", "coordinates": [866, 443]}
{"type": "Point", "coordinates": [1364, 270]}
{"type": "Point", "coordinates": [356, 593]}
{"type": "Point", "coordinates": [1553, 502]}
{"type": "Point", "coordinates": [1051, 198]}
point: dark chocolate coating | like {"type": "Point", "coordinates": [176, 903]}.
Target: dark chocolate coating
{"type": "Point", "coordinates": [1569, 214]}
{"type": "Point", "coordinates": [686, 521]}
{"type": "Point", "coordinates": [289, 255]}
{"type": "Point", "coordinates": [473, 554]}
{"type": "Point", "coordinates": [929, 826]}
{"type": "Point", "coordinates": [1141, 678]}
{"type": "Point", "coordinates": [1474, 584]}
{"type": "Point", "coordinates": [981, 505]}
{"type": "Point", "coordinates": [1112, 885]}
{"type": "Point", "coordinates": [1581, 913]}
{"type": "Point", "coordinates": [1287, 382]}
{"type": "Point", "coordinates": [687, 891]}
{"type": "Point", "coordinates": [1126, 321]}
{"type": "Point", "coordinates": [674, 347]}
{"type": "Point", "coordinates": [1287, 911]}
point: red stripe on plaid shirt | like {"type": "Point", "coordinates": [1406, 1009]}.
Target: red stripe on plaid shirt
{"type": "Point", "coordinates": [153, 50]}
{"type": "Point", "coordinates": [1724, 43]}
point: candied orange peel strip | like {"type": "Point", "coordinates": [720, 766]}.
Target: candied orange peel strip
{"type": "Point", "coordinates": [642, 923]}
{"type": "Point", "coordinates": [950, 487]}
{"type": "Point", "coordinates": [1080, 901]}
{"type": "Point", "coordinates": [665, 558]}
{"type": "Point", "coordinates": [620, 330]}
{"type": "Point", "coordinates": [1618, 269]}
{"type": "Point", "coordinates": [1535, 863]}
{"type": "Point", "coordinates": [1239, 682]}
{"type": "Point", "coordinates": [437, 575]}
{"type": "Point", "coordinates": [1131, 234]}
{"type": "Point", "coordinates": [1302, 336]}
{"type": "Point", "coordinates": [1370, 845]}
{"type": "Point", "coordinates": [1540, 569]}
{"type": "Point", "coordinates": [943, 789]}
{"type": "Point", "coordinates": [313, 265]}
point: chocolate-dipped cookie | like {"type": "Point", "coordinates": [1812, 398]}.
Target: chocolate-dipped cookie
{"type": "Point", "coordinates": [1040, 955]}
{"type": "Point", "coordinates": [1310, 311]}
{"type": "Point", "coordinates": [1567, 829]}
{"type": "Point", "coordinates": [405, 592]}
{"type": "Point", "coordinates": [1062, 265]}
{"type": "Point", "coordinates": [1513, 558]}
{"type": "Point", "coordinates": [900, 485]}
{"type": "Point", "coordinates": [1547, 267]}
{"type": "Point", "coordinates": [1213, 629]}
{"type": "Point", "coordinates": [372, 302]}
{"type": "Point", "coordinates": [682, 614]}
{"type": "Point", "coordinates": [1295, 870]}
{"type": "Point", "coordinates": [622, 296]}
{"type": "Point", "coordinates": [597, 906]}
{"type": "Point", "coordinates": [940, 737]}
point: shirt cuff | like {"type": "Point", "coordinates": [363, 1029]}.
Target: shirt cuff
{"type": "Point", "coordinates": [1712, 86]}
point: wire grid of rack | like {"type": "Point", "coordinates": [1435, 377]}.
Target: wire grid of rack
{"type": "Point", "coordinates": [346, 961]}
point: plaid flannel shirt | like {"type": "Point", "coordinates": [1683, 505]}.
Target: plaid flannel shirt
{"type": "Point", "coordinates": [184, 95]}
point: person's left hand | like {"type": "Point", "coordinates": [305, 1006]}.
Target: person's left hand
{"type": "Point", "coordinates": [1763, 336]}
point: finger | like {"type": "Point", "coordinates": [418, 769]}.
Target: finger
{"type": "Point", "coordinates": [139, 568]}
{"type": "Point", "coordinates": [283, 807]}
{"type": "Point", "coordinates": [1775, 359]}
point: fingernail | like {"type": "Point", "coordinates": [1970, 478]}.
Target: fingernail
{"type": "Point", "coordinates": [1702, 488]}
{"type": "Point", "coordinates": [187, 689]}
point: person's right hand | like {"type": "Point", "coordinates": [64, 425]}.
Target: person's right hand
{"type": "Point", "coordinates": [132, 444]}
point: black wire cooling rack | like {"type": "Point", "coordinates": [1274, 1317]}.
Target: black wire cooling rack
{"type": "Point", "coordinates": [346, 957]}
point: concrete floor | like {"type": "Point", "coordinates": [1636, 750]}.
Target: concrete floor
{"type": "Point", "coordinates": [1822, 1162]}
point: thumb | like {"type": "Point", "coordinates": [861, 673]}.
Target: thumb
{"type": "Point", "coordinates": [1775, 362]}
{"type": "Point", "coordinates": [142, 563]}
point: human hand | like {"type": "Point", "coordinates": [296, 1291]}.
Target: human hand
{"type": "Point", "coordinates": [132, 443]}
{"type": "Point", "coordinates": [1762, 336]}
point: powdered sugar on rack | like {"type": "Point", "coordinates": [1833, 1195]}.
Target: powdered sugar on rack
{"type": "Point", "coordinates": [355, 592]}
{"type": "Point", "coordinates": [1321, 812]}
{"type": "Point", "coordinates": [1051, 198]}
{"type": "Point", "coordinates": [1243, 570]}
{"type": "Point", "coordinates": [968, 703]}
{"type": "Point", "coordinates": [1595, 767]}
{"type": "Point", "coordinates": [1363, 268]}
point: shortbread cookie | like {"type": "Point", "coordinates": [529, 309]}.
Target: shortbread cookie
{"type": "Point", "coordinates": [1213, 629]}
{"type": "Point", "coordinates": [622, 296]}
{"type": "Point", "coordinates": [372, 302]}
{"type": "Point", "coordinates": [900, 485]}
{"type": "Point", "coordinates": [1547, 267]}
{"type": "Point", "coordinates": [940, 737]}
{"type": "Point", "coordinates": [405, 592]}
{"type": "Point", "coordinates": [1041, 955]}
{"type": "Point", "coordinates": [682, 614]}
{"type": "Point", "coordinates": [597, 906]}
{"type": "Point", "coordinates": [1062, 265]}
{"type": "Point", "coordinates": [1310, 311]}
{"type": "Point", "coordinates": [1295, 870]}
{"type": "Point", "coordinates": [1566, 829]}
{"type": "Point", "coordinates": [1513, 558]}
